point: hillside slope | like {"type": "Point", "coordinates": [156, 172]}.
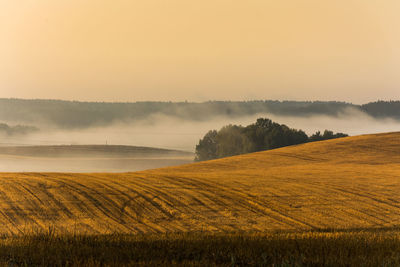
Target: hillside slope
{"type": "Point", "coordinates": [351, 182]}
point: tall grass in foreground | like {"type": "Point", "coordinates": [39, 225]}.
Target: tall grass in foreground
{"type": "Point", "coordinates": [353, 248]}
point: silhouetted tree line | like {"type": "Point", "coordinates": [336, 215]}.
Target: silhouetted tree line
{"type": "Point", "coordinates": [264, 134]}
{"type": "Point", "coordinates": [74, 114]}
{"type": "Point", "coordinates": [383, 109]}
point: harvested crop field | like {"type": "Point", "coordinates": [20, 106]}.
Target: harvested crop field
{"type": "Point", "coordinates": [346, 183]}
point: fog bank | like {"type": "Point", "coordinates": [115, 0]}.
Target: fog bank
{"type": "Point", "coordinates": [165, 132]}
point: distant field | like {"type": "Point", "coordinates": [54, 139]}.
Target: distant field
{"type": "Point", "coordinates": [347, 183]}
{"type": "Point", "coordinates": [88, 158]}
{"type": "Point", "coordinates": [89, 151]}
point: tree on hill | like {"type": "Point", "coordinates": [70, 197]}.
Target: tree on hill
{"type": "Point", "coordinates": [207, 147]}
{"type": "Point", "coordinates": [264, 134]}
{"type": "Point", "coordinates": [231, 141]}
{"type": "Point", "coordinates": [327, 135]}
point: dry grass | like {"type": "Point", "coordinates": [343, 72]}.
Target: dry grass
{"type": "Point", "coordinates": [340, 184]}
{"type": "Point", "coordinates": [352, 248]}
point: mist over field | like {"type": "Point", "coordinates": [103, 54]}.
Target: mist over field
{"type": "Point", "coordinates": [166, 125]}
{"type": "Point", "coordinates": [199, 133]}
{"type": "Point", "coordinates": [167, 132]}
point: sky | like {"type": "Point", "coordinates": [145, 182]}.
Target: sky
{"type": "Point", "coordinates": [177, 50]}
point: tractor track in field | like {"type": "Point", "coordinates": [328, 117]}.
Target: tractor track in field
{"type": "Point", "coordinates": [243, 200]}
{"type": "Point", "coordinates": [365, 201]}
{"type": "Point", "coordinates": [304, 187]}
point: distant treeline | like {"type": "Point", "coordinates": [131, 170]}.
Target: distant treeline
{"type": "Point", "coordinates": [265, 134]}
{"type": "Point", "coordinates": [383, 109]}
{"type": "Point", "coordinates": [5, 129]}
{"type": "Point", "coordinates": [72, 114]}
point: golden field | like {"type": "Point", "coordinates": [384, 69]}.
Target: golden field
{"type": "Point", "coordinates": [346, 183]}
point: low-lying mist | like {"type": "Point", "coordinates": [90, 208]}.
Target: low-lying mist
{"type": "Point", "coordinates": [159, 131]}
{"type": "Point", "coordinates": [9, 163]}
{"type": "Point", "coordinates": [171, 133]}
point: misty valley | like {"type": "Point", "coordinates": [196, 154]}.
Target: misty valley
{"type": "Point", "coordinates": [60, 136]}
{"type": "Point", "coordinates": [199, 133]}
{"type": "Point", "coordinates": [48, 141]}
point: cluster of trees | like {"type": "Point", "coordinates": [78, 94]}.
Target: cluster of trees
{"type": "Point", "coordinates": [264, 134]}
{"type": "Point", "coordinates": [325, 136]}
{"type": "Point", "coordinates": [5, 129]}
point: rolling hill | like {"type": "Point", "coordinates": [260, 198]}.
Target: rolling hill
{"type": "Point", "coordinates": [343, 183]}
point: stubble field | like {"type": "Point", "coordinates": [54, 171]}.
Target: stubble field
{"type": "Point", "coordinates": [345, 183]}
{"type": "Point", "coordinates": [325, 203]}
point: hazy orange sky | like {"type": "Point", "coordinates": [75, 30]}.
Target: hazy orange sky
{"type": "Point", "coordinates": [128, 50]}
